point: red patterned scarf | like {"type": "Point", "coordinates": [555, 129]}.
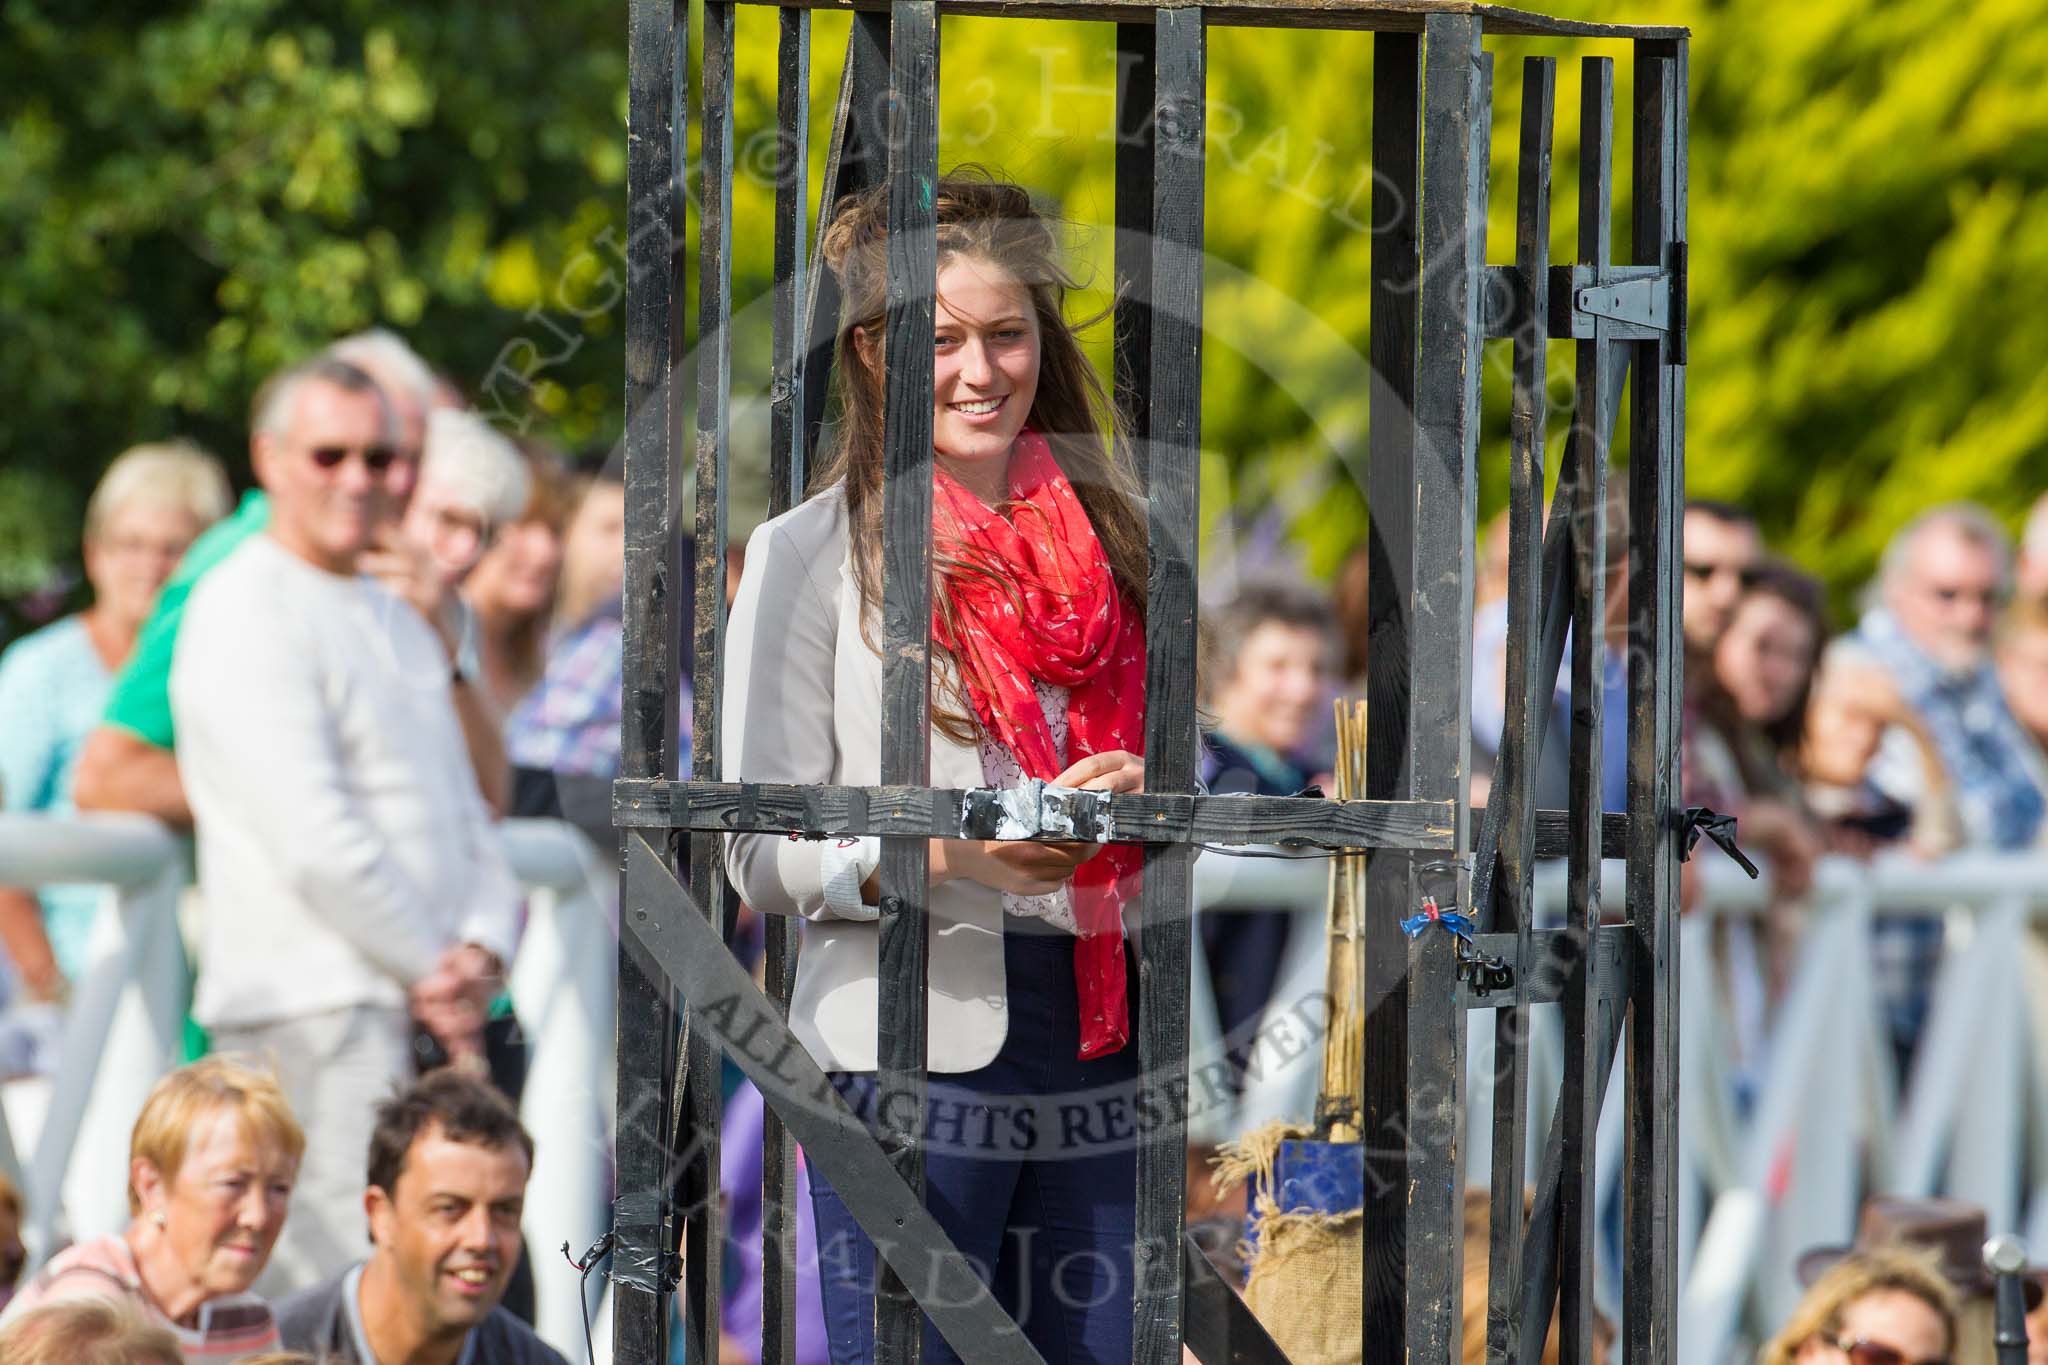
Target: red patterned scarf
{"type": "Point", "coordinates": [1074, 631]}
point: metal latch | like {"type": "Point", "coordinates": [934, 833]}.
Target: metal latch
{"type": "Point", "coordinates": [1038, 809]}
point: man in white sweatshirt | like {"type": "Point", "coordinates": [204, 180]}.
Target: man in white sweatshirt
{"type": "Point", "coordinates": [346, 859]}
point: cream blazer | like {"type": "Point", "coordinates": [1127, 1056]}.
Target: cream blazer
{"type": "Point", "coordinates": [803, 704]}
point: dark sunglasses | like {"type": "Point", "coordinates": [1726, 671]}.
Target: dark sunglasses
{"type": "Point", "coordinates": [1703, 572]}
{"type": "Point", "coordinates": [376, 459]}
{"type": "Point", "coordinates": [1866, 1352]}
{"type": "Point", "coordinates": [1989, 597]}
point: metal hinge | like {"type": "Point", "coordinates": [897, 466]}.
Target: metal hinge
{"type": "Point", "coordinates": [1036, 810]}
{"type": "Point", "coordinates": [1645, 302]}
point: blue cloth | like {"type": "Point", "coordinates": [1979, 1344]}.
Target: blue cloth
{"type": "Point", "coordinates": [53, 688]}
{"type": "Point", "coordinates": [1031, 1167]}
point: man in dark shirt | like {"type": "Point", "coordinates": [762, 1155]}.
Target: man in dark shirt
{"type": "Point", "coordinates": [447, 1182]}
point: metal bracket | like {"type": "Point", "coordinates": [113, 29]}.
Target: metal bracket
{"type": "Point", "coordinates": [1037, 810]}
{"type": "Point", "coordinates": [1645, 302]}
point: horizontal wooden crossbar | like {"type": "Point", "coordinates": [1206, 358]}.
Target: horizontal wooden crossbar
{"type": "Point", "coordinates": [1391, 16]}
{"type": "Point", "coordinates": [1140, 818]}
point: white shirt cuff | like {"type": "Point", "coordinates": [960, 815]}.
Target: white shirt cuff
{"type": "Point", "coordinates": [844, 866]}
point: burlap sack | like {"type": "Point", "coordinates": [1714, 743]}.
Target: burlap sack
{"type": "Point", "coordinates": [1306, 1273]}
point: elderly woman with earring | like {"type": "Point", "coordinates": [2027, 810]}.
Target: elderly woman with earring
{"type": "Point", "coordinates": [210, 1170]}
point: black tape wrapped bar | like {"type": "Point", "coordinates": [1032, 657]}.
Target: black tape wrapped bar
{"type": "Point", "coordinates": [1527, 696]}
{"type": "Point", "coordinates": [703, 1244]}
{"type": "Point", "coordinates": [653, 580]}
{"type": "Point", "coordinates": [907, 621]}
{"type": "Point", "coordinates": [1172, 474]}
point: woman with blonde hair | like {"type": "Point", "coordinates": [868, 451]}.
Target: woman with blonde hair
{"type": "Point", "coordinates": [211, 1163]}
{"type": "Point", "coordinates": [151, 504]}
{"type": "Point", "coordinates": [87, 1332]}
{"type": "Point", "coordinates": [1888, 1305]}
{"type": "Point", "coordinates": [1038, 668]}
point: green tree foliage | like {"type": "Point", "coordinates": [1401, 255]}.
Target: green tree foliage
{"type": "Point", "coordinates": [198, 191]}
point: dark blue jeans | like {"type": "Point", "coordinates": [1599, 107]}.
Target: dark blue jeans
{"type": "Point", "coordinates": [1031, 1169]}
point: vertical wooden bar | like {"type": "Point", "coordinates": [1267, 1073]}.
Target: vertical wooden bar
{"type": "Point", "coordinates": [1136, 89]}
{"type": "Point", "coordinates": [1540, 1246]}
{"type": "Point", "coordinates": [786, 466]}
{"type": "Point", "coordinates": [787, 457]}
{"type": "Point", "coordinates": [1581, 1097]}
{"type": "Point", "coordinates": [854, 160]}
{"type": "Point", "coordinates": [703, 1244]}
{"type": "Point", "coordinates": [1528, 706]}
{"type": "Point", "coordinates": [1392, 498]}
{"type": "Point", "coordinates": [650, 699]}
{"type": "Point", "coordinates": [1173, 488]}
{"type": "Point", "coordinates": [907, 618]}
{"type": "Point", "coordinates": [1456, 92]}
{"type": "Point", "coordinates": [1655, 685]}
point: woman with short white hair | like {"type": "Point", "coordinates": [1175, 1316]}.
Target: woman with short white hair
{"type": "Point", "coordinates": [152, 502]}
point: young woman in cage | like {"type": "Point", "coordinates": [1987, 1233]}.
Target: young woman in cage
{"type": "Point", "coordinates": [1038, 600]}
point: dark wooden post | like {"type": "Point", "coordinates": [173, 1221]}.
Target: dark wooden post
{"type": "Point", "coordinates": [1172, 472]}
{"type": "Point", "coordinates": [1581, 1098]}
{"type": "Point", "coordinates": [907, 620]}
{"type": "Point", "coordinates": [1527, 695]}
{"type": "Point", "coordinates": [855, 160]}
{"type": "Point", "coordinates": [1655, 687]}
{"type": "Point", "coordinates": [787, 462]}
{"type": "Point", "coordinates": [1429, 140]}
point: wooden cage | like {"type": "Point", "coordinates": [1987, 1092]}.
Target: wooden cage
{"type": "Point", "coordinates": [1434, 300]}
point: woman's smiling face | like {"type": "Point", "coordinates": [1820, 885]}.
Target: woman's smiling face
{"type": "Point", "coordinates": [985, 357]}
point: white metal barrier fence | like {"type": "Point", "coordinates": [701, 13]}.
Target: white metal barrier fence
{"type": "Point", "coordinates": [1782, 1132]}
{"type": "Point", "coordinates": [121, 1031]}
{"type": "Point", "coordinates": [1780, 1139]}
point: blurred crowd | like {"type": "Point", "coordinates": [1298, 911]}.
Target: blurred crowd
{"type": "Point", "coordinates": [409, 627]}
{"type": "Point", "coordinates": [412, 626]}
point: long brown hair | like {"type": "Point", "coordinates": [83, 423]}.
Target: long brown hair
{"type": "Point", "coordinates": [995, 222]}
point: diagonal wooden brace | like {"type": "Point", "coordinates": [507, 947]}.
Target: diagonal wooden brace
{"type": "Point", "coordinates": [665, 930]}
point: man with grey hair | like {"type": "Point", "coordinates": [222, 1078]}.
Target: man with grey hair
{"type": "Point", "coordinates": [129, 763]}
{"type": "Point", "coordinates": [351, 877]}
{"type": "Point", "coordinates": [408, 382]}
{"type": "Point", "coordinates": [1941, 583]}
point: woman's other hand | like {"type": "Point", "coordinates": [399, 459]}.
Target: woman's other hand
{"type": "Point", "coordinates": [1010, 865]}
{"type": "Point", "coordinates": [1113, 770]}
